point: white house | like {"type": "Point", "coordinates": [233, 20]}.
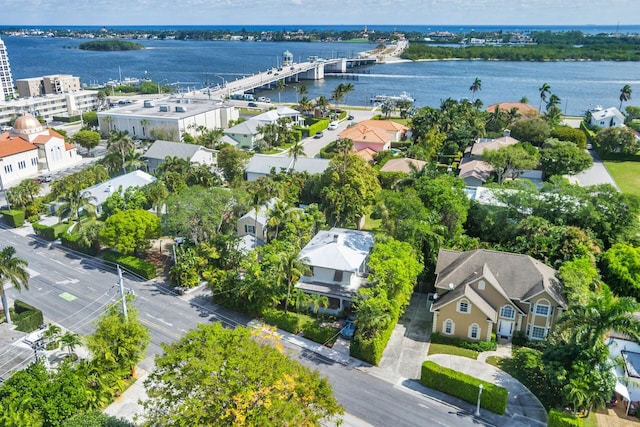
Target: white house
{"type": "Point", "coordinates": [29, 149]}
{"type": "Point", "coordinates": [120, 183]}
{"type": "Point", "coordinates": [247, 133]}
{"type": "Point", "coordinates": [604, 118]}
{"type": "Point", "coordinates": [159, 150]}
{"type": "Point", "coordinates": [338, 260]}
{"type": "Point", "coordinates": [253, 228]}
{"type": "Point", "coordinates": [262, 165]}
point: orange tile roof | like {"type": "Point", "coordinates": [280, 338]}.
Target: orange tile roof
{"type": "Point", "coordinates": [68, 146]}
{"type": "Point", "coordinates": [367, 154]}
{"type": "Point", "coordinates": [387, 125]}
{"type": "Point", "coordinates": [402, 165]}
{"type": "Point", "coordinates": [364, 134]}
{"type": "Point", "coordinates": [13, 145]}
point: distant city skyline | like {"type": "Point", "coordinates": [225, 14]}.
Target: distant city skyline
{"type": "Point", "coordinates": [320, 12]}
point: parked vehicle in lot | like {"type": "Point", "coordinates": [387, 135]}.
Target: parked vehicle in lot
{"type": "Point", "coordinates": [252, 104]}
{"type": "Point", "coordinates": [349, 327]}
{"type": "Point", "coordinates": [318, 135]}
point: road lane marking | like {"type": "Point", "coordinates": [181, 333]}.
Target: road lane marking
{"type": "Point", "coordinates": [159, 319]}
{"type": "Point", "coordinates": [161, 329]}
{"type": "Point", "coordinates": [67, 296]}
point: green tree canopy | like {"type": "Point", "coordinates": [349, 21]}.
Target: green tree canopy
{"type": "Point", "coordinates": [88, 139]}
{"type": "Point", "coordinates": [216, 376]}
{"type": "Point", "coordinates": [130, 231]}
{"type": "Point", "coordinates": [617, 140]}
{"type": "Point", "coordinates": [564, 158]}
{"type": "Point", "coordinates": [621, 269]}
{"type": "Point", "coordinates": [510, 161]}
{"type": "Point", "coordinates": [534, 131]}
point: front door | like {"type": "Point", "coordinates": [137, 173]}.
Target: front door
{"type": "Point", "coordinates": [505, 328]}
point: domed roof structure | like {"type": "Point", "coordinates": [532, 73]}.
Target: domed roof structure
{"type": "Point", "coordinates": [26, 124]}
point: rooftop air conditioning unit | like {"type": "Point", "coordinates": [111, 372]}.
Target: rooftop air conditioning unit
{"type": "Point", "coordinates": [148, 104]}
{"type": "Point", "coordinates": [164, 108]}
{"type": "Point", "coordinates": [180, 109]}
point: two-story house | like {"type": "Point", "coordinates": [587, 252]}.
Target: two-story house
{"type": "Point", "coordinates": [337, 260]}
{"type": "Point", "coordinates": [481, 292]}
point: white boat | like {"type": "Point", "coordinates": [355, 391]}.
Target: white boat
{"type": "Point", "coordinates": [404, 96]}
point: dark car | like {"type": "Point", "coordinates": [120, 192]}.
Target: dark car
{"type": "Point", "coordinates": [318, 135]}
{"type": "Point", "coordinates": [349, 327]}
{"type": "Point", "coordinates": [350, 118]}
{"type": "Point", "coordinates": [252, 104]}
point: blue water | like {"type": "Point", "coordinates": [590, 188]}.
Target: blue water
{"type": "Point", "coordinates": [580, 85]}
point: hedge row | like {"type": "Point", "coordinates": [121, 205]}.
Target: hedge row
{"type": "Point", "coordinates": [13, 217]}
{"type": "Point", "coordinates": [318, 333]}
{"type": "Point", "coordinates": [471, 345]}
{"type": "Point", "coordinates": [465, 387]}
{"type": "Point", "coordinates": [71, 241]}
{"type": "Point", "coordinates": [50, 233]}
{"type": "Point", "coordinates": [27, 318]}
{"type": "Point", "coordinates": [320, 125]}
{"type": "Point", "coordinates": [562, 419]}
{"type": "Point", "coordinates": [131, 263]}
{"type": "Point", "coordinates": [296, 323]}
{"type": "Point", "coordinates": [289, 322]}
{"type": "Point", "coordinates": [371, 349]}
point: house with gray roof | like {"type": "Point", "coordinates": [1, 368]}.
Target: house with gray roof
{"type": "Point", "coordinates": [252, 226]}
{"type": "Point", "coordinates": [100, 192]}
{"type": "Point", "coordinates": [263, 165]}
{"type": "Point", "coordinates": [482, 292]}
{"type": "Point", "coordinates": [160, 150]}
{"type": "Point", "coordinates": [337, 259]}
{"type": "Point", "coordinates": [247, 134]}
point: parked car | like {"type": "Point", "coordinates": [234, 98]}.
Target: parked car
{"type": "Point", "coordinates": [349, 327]}
{"type": "Point", "coordinates": [333, 125]}
{"type": "Point", "coordinates": [252, 104]}
{"type": "Point", "coordinates": [318, 135]}
{"type": "Point", "coordinates": [44, 178]}
{"type": "Point", "coordinates": [350, 117]}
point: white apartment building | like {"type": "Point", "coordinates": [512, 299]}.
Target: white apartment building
{"type": "Point", "coordinates": [6, 80]}
{"type": "Point", "coordinates": [48, 85]}
{"type": "Point", "coordinates": [48, 106]}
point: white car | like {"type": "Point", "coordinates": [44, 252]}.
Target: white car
{"type": "Point", "coordinates": [333, 125]}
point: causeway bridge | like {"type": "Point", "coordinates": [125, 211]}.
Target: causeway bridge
{"type": "Point", "coordinates": [309, 70]}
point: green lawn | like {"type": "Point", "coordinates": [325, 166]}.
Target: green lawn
{"type": "Point", "coordinates": [626, 173]}
{"type": "Point", "coordinates": [450, 349]}
{"type": "Point", "coordinates": [371, 224]}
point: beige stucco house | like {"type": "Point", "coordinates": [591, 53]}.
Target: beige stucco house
{"type": "Point", "coordinates": [481, 292]}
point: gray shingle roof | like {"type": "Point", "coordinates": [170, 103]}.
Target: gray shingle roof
{"type": "Point", "coordinates": [519, 276]}
{"type": "Point", "coordinates": [161, 149]}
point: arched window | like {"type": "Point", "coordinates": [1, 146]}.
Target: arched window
{"type": "Point", "coordinates": [481, 285]}
{"type": "Point", "coordinates": [448, 327]}
{"type": "Point", "coordinates": [507, 312]}
{"type": "Point", "coordinates": [464, 306]}
{"type": "Point", "coordinates": [543, 308]}
{"type": "Point", "coordinates": [474, 331]}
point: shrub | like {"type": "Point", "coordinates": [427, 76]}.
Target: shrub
{"type": "Point", "coordinates": [320, 125]}
{"type": "Point", "coordinates": [131, 263]}
{"type": "Point", "coordinates": [465, 387]}
{"type": "Point", "coordinates": [44, 231]}
{"type": "Point", "coordinates": [71, 241]}
{"type": "Point", "coordinates": [289, 322]}
{"type": "Point", "coordinates": [370, 349]}
{"type": "Point", "coordinates": [318, 333]}
{"type": "Point", "coordinates": [329, 151]}
{"type": "Point", "coordinates": [33, 219]}
{"type": "Point", "coordinates": [519, 339]}
{"type": "Point", "coordinates": [562, 419]}
{"type": "Point", "coordinates": [27, 318]}
{"type": "Point", "coordinates": [566, 133]}
{"type": "Point", "coordinates": [471, 345]}
{"type": "Point", "coordinates": [13, 217]}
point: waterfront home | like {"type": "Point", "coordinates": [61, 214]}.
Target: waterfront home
{"type": "Point", "coordinates": [248, 133]}
{"type": "Point", "coordinates": [604, 118]}
{"type": "Point", "coordinates": [482, 292]}
{"type": "Point", "coordinates": [525, 111]}
{"type": "Point", "coordinates": [403, 164]}
{"type": "Point", "coordinates": [337, 261]}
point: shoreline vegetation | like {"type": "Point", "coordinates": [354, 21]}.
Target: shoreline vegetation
{"type": "Point", "coordinates": [535, 46]}
{"type": "Point", "coordinates": [110, 45]}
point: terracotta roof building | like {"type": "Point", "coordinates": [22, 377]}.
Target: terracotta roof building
{"type": "Point", "coordinates": [374, 134]}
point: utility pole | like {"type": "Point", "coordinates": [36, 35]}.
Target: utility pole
{"type": "Point", "coordinates": [124, 300]}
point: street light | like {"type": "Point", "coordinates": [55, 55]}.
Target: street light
{"type": "Point", "coordinates": [477, 414]}
{"type": "Point", "coordinates": [160, 84]}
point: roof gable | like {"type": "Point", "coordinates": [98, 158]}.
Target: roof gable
{"type": "Point", "coordinates": [161, 149]}
{"type": "Point", "coordinates": [338, 249]}
{"type": "Point", "coordinates": [11, 145]}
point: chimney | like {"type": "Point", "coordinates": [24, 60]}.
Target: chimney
{"type": "Point", "coordinates": [506, 132]}
{"type": "Point", "coordinates": [335, 238]}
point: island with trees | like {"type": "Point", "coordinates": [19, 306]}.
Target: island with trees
{"type": "Point", "coordinates": [110, 45]}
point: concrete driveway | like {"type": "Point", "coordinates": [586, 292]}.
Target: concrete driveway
{"type": "Point", "coordinates": [596, 174]}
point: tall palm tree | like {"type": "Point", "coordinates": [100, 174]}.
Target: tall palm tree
{"type": "Point", "coordinates": [625, 94]}
{"type": "Point", "coordinates": [475, 86]}
{"type": "Point", "coordinates": [75, 201]}
{"type": "Point", "coordinates": [277, 215]}
{"type": "Point", "coordinates": [545, 90]}
{"type": "Point", "coordinates": [322, 103]}
{"type": "Point", "coordinates": [338, 93]}
{"type": "Point", "coordinates": [13, 270]}
{"type": "Point", "coordinates": [347, 88]}
{"type": "Point", "coordinates": [280, 84]}
{"type": "Point", "coordinates": [554, 101]}
{"type": "Point", "coordinates": [120, 142]}
{"type": "Point", "coordinates": [292, 268]}
{"type": "Point", "coordinates": [301, 90]}
{"type": "Point", "coordinates": [295, 151]}
{"type": "Point", "coordinates": [513, 115]}
{"type": "Point", "coordinates": [70, 341]}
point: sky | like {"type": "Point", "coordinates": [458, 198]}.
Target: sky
{"type": "Point", "coordinates": [320, 12]}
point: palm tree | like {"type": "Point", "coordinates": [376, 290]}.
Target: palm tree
{"type": "Point", "coordinates": [70, 341]}
{"type": "Point", "coordinates": [295, 151]}
{"type": "Point", "coordinates": [545, 90]}
{"type": "Point", "coordinates": [292, 268]}
{"type": "Point", "coordinates": [120, 142]}
{"type": "Point", "coordinates": [625, 94]}
{"type": "Point", "coordinates": [52, 335]}
{"type": "Point", "coordinates": [322, 103]}
{"type": "Point", "coordinates": [338, 93]}
{"type": "Point", "coordinates": [301, 90]}
{"type": "Point", "coordinates": [278, 215]}
{"type": "Point", "coordinates": [14, 270]}
{"type": "Point", "coordinates": [513, 115]}
{"type": "Point", "coordinates": [133, 160]}
{"type": "Point", "coordinates": [75, 201]}
{"type": "Point", "coordinates": [388, 107]}
{"type": "Point", "coordinates": [475, 86]}
{"type": "Point", "coordinates": [554, 101]}
{"type": "Point", "coordinates": [280, 84]}
{"type": "Point", "coordinates": [347, 88]}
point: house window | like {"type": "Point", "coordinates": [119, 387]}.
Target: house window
{"type": "Point", "coordinates": [537, 333]}
{"type": "Point", "coordinates": [481, 285]}
{"type": "Point", "coordinates": [463, 306]}
{"type": "Point", "coordinates": [250, 229]}
{"type": "Point", "coordinates": [542, 309]}
{"type": "Point", "coordinates": [22, 164]}
{"type": "Point", "coordinates": [337, 276]}
{"type": "Point", "coordinates": [507, 312]}
{"type": "Point", "coordinates": [448, 327]}
{"type": "Point", "coordinates": [8, 169]}
{"type": "Point", "coordinates": [34, 161]}
{"type": "Point", "coordinates": [474, 331]}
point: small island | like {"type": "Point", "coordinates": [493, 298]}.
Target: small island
{"type": "Point", "coordinates": [110, 45]}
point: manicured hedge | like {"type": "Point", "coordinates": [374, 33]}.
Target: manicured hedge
{"type": "Point", "coordinates": [471, 345]}
{"type": "Point", "coordinates": [27, 318]}
{"type": "Point", "coordinates": [71, 241]}
{"type": "Point", "coordinates": [131, 263]}
{"type": "Point", "coordinates": [289, 322]}
{"type": "Point", "coordinates": [371, 349]}
{"type": "Point", "coordinates": [44, 231]}
{"type": "Point", "coordinates": [320, 125]}
{"type": "Point", "coordinates": [562, 419]}
{"type": "Point", "coordinates": [320, 334]}
{"type": "Point", "coordinates": [14, 217]}
{"type": "Point", "coordinates": [465, 387]}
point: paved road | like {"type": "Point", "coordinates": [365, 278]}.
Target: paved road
{"type": "Point", "coordinates": [312, 146]}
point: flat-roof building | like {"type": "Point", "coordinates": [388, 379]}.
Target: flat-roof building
{"type": "Point", "coordinates": [48, 106]}
{"type": "Point", "coordinates": [48, 85]}
{"type": "Point", "coordinates": [6, 80]}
